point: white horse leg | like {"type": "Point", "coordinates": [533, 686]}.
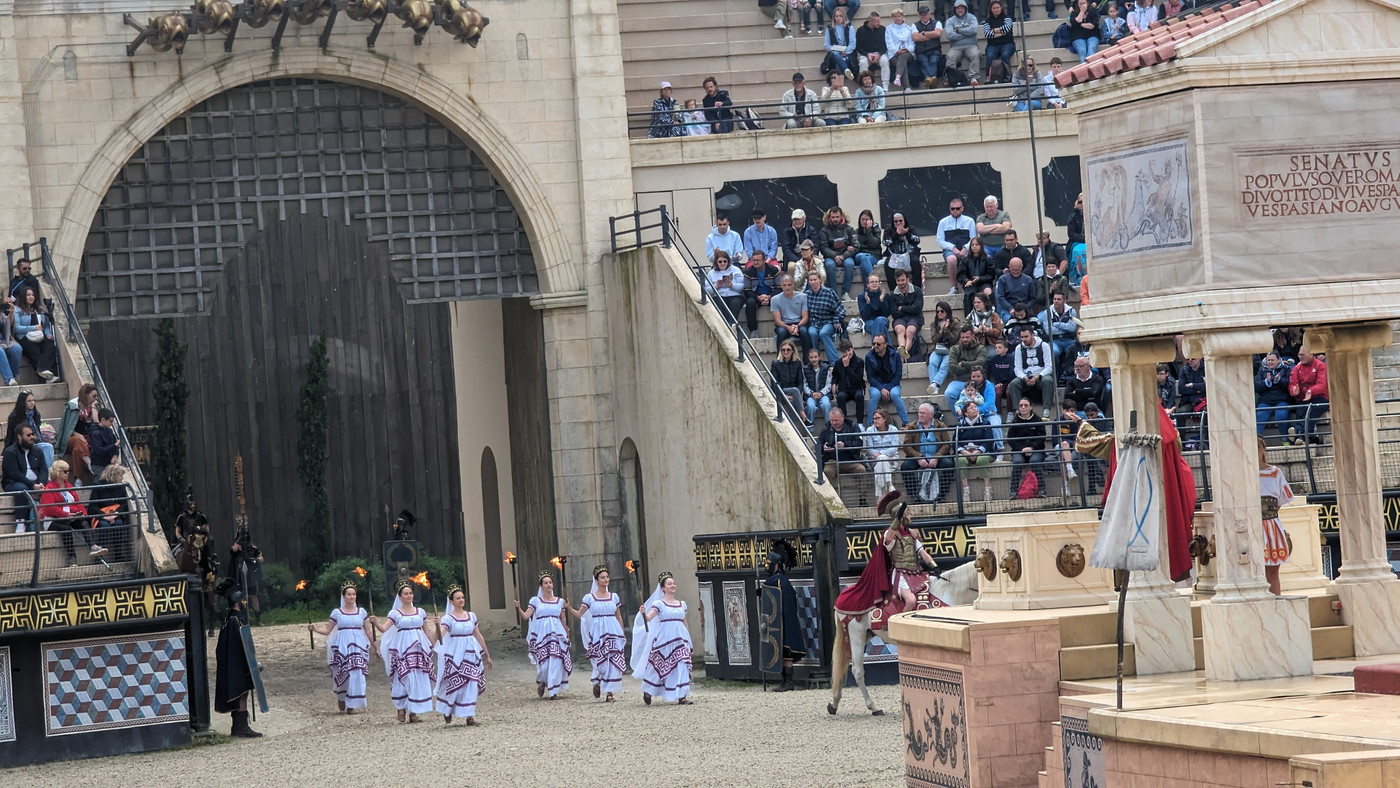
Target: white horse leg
{"type": "Point", "coordinates": [858, 640]}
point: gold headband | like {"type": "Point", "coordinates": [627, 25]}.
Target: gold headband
{"type": "Point", "coordinates": [350, 584]}
{"type": "Point", "coordinates": [661, 578]}
{"type": "Point", "coordinates": [401, 585]}
{"type": "Point", "coordinates": [599, 569]}
{"type": "Point", "coordinates": [543, 574]}
{"type": "Point", "coordinates": [452, 589]}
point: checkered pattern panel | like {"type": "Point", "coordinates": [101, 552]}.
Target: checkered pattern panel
{"type": "Point", "coordinates": [117, 682]}
{"type": "Point", "coordinates": [811, 621]}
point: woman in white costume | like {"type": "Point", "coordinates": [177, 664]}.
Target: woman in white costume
{"type": "Point", "coordinates": [460, 652]}
{"type": "Point", "coordinates": [661, 645]}
{"type": "Point", "coordinates": [407, 655]}
{"type": "Point", "coordinates": [548, 639]}
{"type": "Point", "coordinates": [1273, 493]}
{"type": "Point", "coordinates": [601, 614]}
{"type": "Point", "coordinates": [347, 649]}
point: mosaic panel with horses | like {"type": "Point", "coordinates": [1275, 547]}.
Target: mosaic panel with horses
{"type": "Point", "coordinates": [115, 682]}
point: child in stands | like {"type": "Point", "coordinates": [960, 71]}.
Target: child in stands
{"type": "Point", "coordinates": [1001, 370]}
{"type": "Point", "coordinates": [102, 441]}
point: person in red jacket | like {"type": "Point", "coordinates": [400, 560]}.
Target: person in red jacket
{"type": "Point", "coordinates": [1308, 386]}
{"type": "Point", "coordinates": [60, 509]}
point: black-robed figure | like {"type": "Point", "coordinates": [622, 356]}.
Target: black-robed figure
{"type": "Point", "coordinates": [234, 667]}
{"type": "Point", "coordinates": [794, 643]}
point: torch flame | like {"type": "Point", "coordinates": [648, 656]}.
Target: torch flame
{"type": "Point", "coordinates": [558, 564]}
{"type": "Point", "coordinates": [631, 566]}
{"type": "Point", "coordinates": [421, 579]}
{"type": "Point", "coordinates": [360, 570]}
{"type": "Point", "coordinates": [301, 585]}
{"type": "Point", "coordinates": [510, 557]}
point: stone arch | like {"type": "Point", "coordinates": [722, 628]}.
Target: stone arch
{"type": "Point", "coordinates": [557, 273]}
{"type": "Point", "coordinates": [631, 497]}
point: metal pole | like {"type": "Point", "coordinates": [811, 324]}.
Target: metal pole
{"type": "Point", "coordinates": [1122, 605]}
{"type": "Point", "coordinates": [665, 228]}
{"type": "Point", "coordinates": [1039, 200]}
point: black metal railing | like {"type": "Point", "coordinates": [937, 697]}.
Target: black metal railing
{"type": "Point", "coordinates": [73, 334]}
{"type": "Point", "coordinates": [102, 543]}
{"type": "Point", "coordinates": [639, 232]}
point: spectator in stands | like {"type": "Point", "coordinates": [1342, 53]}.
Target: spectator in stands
{"type": "Point", "coordinates": [1013, 287]}
{"type": "Point", "coordinates": [882, 444]}
{"type": "Point", "coordinates": [1001, 44]}
{"type": "Point", "coordinates": [760, 237]}
{"type": "Point", "coordinates": [841, 445]}
{"type": "Point", "coordinates": [836, 99]}
{"type": "Point", "coordinates": [760, 284]}
{"type": "Point", "coordinates": [1062, 433]}
{"type": "Point", "coordinates": [840, 46]}
{"type": "Point", "coordinates": [795, 234]}
{"type": "Point", "coordinates": [1001, 370]}
{"type": "Point", "coordinates": [721, 237]}
{"type": "Point", "coordinates": [1051, 283]}
{"type": "Point", "coordinates": [778, 10]}
{"type": "Point", "coordinates": [1032, 362]}
{"type": "Point", "coordinates": [1086, 385]}
{"type": "Point", "coordinates": [955, 232]}
{"type": "Point", "coordinates": [1170, 8]}
{"type": "Point", "coordinates": [693, 119]}
{"type": "Point", "coordinates": [1059, 322]}
{"type": "Point", "coordinates": [1114, 27]}
{"type": "Point", "coordinates": [60, 509]}
{"type": "Point", "coordinates": [10, 350]}
{"type": "Point", "coordinates": [800, 106]}
{"type": "Point", "coordinates": [874, 306]}
{"type": "Point", "coordinates": [927, 450]}
{"type": "Point", "coordinates": [717, 107]}
{"type": "Point", "coordinates": [1190, 386]}
{"type": "Point", "coordinates": [665, 118]}
{"type": "Point", "coordinates": [789, 311]}
{"type": "Point", "coordinates": [884, 370]}
{"type": "Point", "coordinates": [1308, 385]}
{"type": "Point", "coordinates": [26, 414]}
{"type": "Point", "coordinates": [109, 504]}
{"type": "Point", "coordinates": [807, 262]}
{"type": "Point", "coordinates": [992, 225]}
{"type": "Point", "coordinates": [1026, 439]}
{"type": "Point", "coordinates": [848, 7]}
{"type": "Point", "coordinates": [870, 244]}
{"type": "Point", "coordinates": [906, 313]}
{"type": "Point", "coordinates": [963, 357]}
{"type": "Point", "coordinates": [1166, 387]}
{"type": "Point", "coordinates": [22, 278]}
{"type": "Point", "coordinates": [34, 328]}
{"type": "Point", "coordinates": [817, 385]}
{"type": "Point", "coordinates": [928, 46]}
{"type": "Point", "coordinates": [728, 282]}
{"type": "Point", "coordinates": [1288, 343]}
{"type": "Point", "coordinates": [103, 444]}
{"type": "Point", "coordinates": [79, 416]}
{"type": "Point", "coordinates": [786, 370]}
{"type": "Point", "coordinates": [976, 272]}
{"type": "Point", "coordinates": [902, 252]}
{"type": "Point", "coordinates": [1271, 395]}
{"type": "Point", "coordinates": [1013, 249]}
{"type": "Point", "coordinates": [870, 100]}
{"type": "Point", "coordinates": [1095, 469]}
{"type": "Point", "coordinates": [1028, 86]}
{"type": "Point", "coordinates": [980, 392]}
{"type": "Point", "coordinates": [838, 244]}
{"type": "Point", "coordinates": [870, 48]}
{"type": "Point", "coordinates": [849, 375]}
{"type": "Point", "coordinates": [1084, 26]}
{"type": "Point", "coordinates": [1020, 316]}
{"type": "Point", "coordinates": [1141, 16]}
{"type": "Point", "coordinates": [986, 323]}
{"type": "Point", "coordinates": [1046, 250]}
{"type": "Point", "coordinates": [944, 334]}
{"type": "Point", "coordinates": [24, 470]}
{"type": "Point", "coordinates": [827, 315]}
{"type": "Point", "coordinates": [974, 448]}
{"type": "Point", "coordinates": [1077, 254]}
{"type": "Point", "coordinates": [1052, 88]}
{"type": "Point", "coordinates": [899, 48]}
{"type": "Point", "coordinates": [961, 32]}
{"type": "Point", "coordinates": [810, 7]}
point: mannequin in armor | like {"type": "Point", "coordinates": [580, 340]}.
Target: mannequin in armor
{"type": "Point", "coordinates": [908, 576]}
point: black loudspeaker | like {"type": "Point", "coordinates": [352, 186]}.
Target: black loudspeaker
{"type": "Point", "coordinates": [400, 562]}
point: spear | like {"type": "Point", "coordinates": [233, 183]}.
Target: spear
{"type": "Point", "coordinates": [301, 586]}
{"type": "Point", "coordinates": [369, 591]}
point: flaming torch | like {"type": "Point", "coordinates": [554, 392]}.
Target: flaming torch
{"type": "Point", "coordinates": [511, 558]}
{"type": "Point", "coordinates": [311, 636]}
{"type": "Point", "coordinates": [559, 562]}
{"type": "Point", "coordinates": [422, 579]}
{"type": "Point", "coordinates": [632, 574]}
{"type": "Point", "coordinates": [369, 591]}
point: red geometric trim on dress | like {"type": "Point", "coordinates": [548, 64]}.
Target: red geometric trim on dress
{"type": "Point", "coordinates": [608, 648]}
{"type": "Point", "coordinates": [552, 647]}
{"type": "Point", "coordinates": [456, 675]}
{"type": "Point", "coordinates": [665, 666]}
{"type": "Point", "coordinates": [343, 663]}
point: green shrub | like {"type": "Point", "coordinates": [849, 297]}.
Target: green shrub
{"type": "Point", "coordinates": [442, 572]}
{"type": "Point", "coordinates": [281, 585]}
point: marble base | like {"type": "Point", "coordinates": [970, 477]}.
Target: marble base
{"type": "Point", "coordinates": [1371, 610]}
{"type": "Point", "coordinates": [1159, 628]}
{"type": "Point", "coordinates": [1264, 639]}
{"type": "Point", "coordinates": [1038, 538]}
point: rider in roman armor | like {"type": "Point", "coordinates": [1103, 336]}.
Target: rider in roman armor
{"type": "Point", "coordinates": [907, 574]}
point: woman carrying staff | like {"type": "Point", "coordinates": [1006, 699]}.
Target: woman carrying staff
{"type": "Point", "coordinates": [347, 647]}
{"type": "Point", "coordinates": [601, 611]}
{"type": "Point", "coordinates": [548, 639]}
{"type": "Point", "coordinates": [661, 645]}
{"type": "Point", "coordinates": [406, 655]}
{"type": "Point", "coordinates": [460, 652]}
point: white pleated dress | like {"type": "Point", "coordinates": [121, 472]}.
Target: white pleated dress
{"type": "Point", "coordinates": [460, 671]}
{"type": "Point", "coordinates": [605, 641]}
{"type": "Point", "coordinates": [548, 643]}
{"type": "Point", "coordinates": [347, 657]}
{"type": "Point", "coordinates": [666, 672]}
{"type": "Point", "coordinates": [405, 650]}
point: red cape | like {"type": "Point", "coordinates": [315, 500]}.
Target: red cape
{"type": "Point", "coordinates": [1179, 487]}
{"type": "Point", "coordinates": [873, 586]}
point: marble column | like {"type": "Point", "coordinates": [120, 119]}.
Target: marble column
{"type": "Point", "coordinates": [1158, 617]}
{"type": "Point", "coordinates": [1247, 632]}
{"type": "Point", "coordinates": [1366, 586]}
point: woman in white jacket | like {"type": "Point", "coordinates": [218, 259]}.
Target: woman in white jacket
{"type": "Point", "coordinates": [882, 443]}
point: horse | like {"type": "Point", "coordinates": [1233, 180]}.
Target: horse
{"type": "Point", "coordinates": [957, 586]}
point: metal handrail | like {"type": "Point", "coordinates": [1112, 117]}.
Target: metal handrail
{"type": "Point", "coordinates": [32, 505]}
{"type": "Point", "coordinates": [663, 223]}
{"type": "Point", "coordinates": [73, 332]}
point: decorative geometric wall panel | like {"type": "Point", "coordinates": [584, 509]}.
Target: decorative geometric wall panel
{"type": "Point", "coordinates": [935, 727]}
{"type": "Point", "coordinates": [7, 698]}
{"type": "Point", "coordinates": [41, 610]}
{"type": "Point", "coordinates": [810, 617]}
{"type": "Point", "coordinates": [736, 622]}
{"type": "Point", "coordinates": [199, 189]}
{"type": "Point", "coordinates": [1083, 755]}
{"type": "Point", "coordinates": [115, 682]}
{"type": "Point", "coordinates": [708, 622]}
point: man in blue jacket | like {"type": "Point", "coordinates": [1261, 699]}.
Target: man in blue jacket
{"type": "Point", "coordinates": [883, 371]}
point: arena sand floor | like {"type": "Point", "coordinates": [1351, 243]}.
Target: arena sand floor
{"type": "Point", "coordinates": [734, 735]}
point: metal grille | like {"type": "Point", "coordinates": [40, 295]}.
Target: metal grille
{"type": "Point", "coordinates": [209, 180]}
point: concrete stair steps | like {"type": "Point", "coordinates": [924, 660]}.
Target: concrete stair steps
{"type": "Point", "coordinates": [1333, 642]}
{"type": "Point", "coordinates": [1094, 629]}
{"type": "Point", "coordinates": [1320, 612]}
{"type": "Point", "coordinates": [1095, 662]}
{"type": "Point", "coordinates": [69, 575]}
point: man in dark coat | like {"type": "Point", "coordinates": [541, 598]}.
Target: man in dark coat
{"type": "Point", "coordinates": [789, 625]}
{"type": "Point", "coordinates": [233, 675]}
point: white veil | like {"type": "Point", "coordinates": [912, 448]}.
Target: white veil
{"type": "Point", "coordinates": [384, 639]}
{"type": "Point", "coordinates": [530, 623]}
{"type": "Point", "coordinates": [642, 635]}
{"type": "Point", "coordinates": [586, 621]}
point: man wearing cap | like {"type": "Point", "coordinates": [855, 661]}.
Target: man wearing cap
{"type": "Point", "coordinates": [899, 47]}
{"type": "Point", "coordinates": [928, 45]}
{"type": "Point", "coordinates": [870, 48]}
{"type": "Point", "coordinates": [800, 106]}
{"type": "Point", "coordinates": [793, 236]}
{"type": "Point", "coordinates": [961, 32]}
{"type": "Point", "coordinates": [665, 121]}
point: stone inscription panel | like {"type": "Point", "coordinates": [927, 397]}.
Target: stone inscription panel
{"type": "Point", "coordinates": [1280, 186]}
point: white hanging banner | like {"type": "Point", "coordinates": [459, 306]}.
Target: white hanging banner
{"type": "Point", "coordinates": [1132, 520]}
